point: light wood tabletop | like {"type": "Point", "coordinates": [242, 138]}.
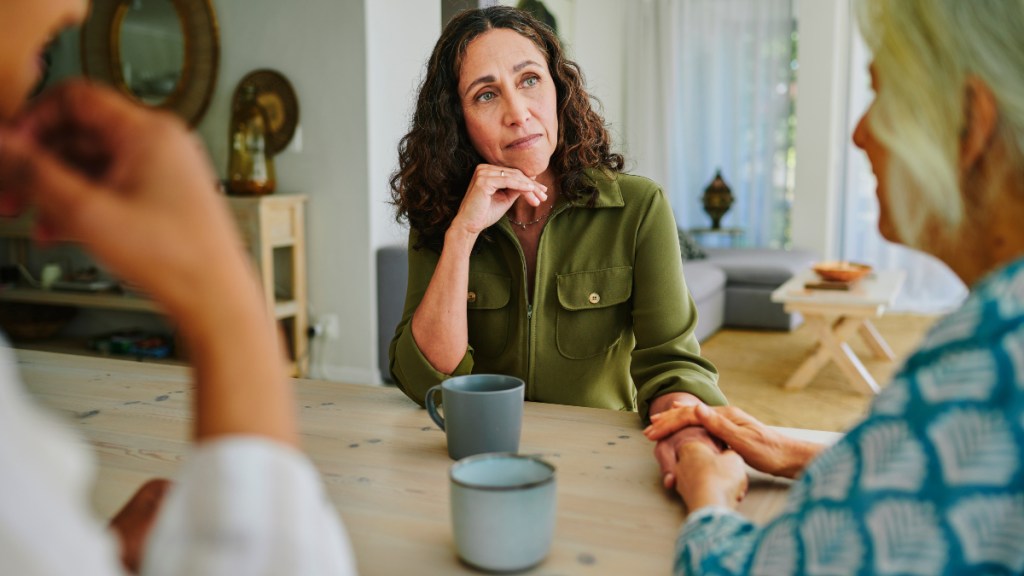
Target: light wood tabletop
{"type": "Point", "coordinates": [386, 468]}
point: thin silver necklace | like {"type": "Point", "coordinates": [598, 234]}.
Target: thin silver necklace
{"type": "Point", "coordinates": [524, 225]}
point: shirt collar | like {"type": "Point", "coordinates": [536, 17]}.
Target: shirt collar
{"type": "Point", "coordinates": [609, 194]}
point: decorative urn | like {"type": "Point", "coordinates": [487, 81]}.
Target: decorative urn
{"type": "Point", "coordinates": [717, 199]}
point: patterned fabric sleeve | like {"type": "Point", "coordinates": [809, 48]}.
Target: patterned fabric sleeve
{"type": "Point", "coordinates": [714, 541]}
{"type": "Point", "coordinates": [932, 482]}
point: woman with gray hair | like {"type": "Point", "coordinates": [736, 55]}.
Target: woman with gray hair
{"type": "Point", "coordinates": [932, 481]}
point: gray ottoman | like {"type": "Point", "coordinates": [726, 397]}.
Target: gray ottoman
{"type": "Point", "coordinates": [751, 276]}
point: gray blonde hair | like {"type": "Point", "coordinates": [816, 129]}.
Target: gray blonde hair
{"type": "Point", "coordinates": [924, 51]}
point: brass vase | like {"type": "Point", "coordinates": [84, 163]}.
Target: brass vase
{"type": "Point", "coordinates": [717, 199]}
{"type": "Point", "coordinates": [251, 164]}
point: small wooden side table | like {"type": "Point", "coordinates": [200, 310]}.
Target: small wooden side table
{"type": "Point", "coordinates": [835, 316]}
{"type": "Point", "coordinates": [274, 231]}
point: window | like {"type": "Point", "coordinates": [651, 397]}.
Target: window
{"type": "Point", "coordinates": [718, 80]}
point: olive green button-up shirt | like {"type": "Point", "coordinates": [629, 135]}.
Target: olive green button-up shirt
{"type": "Point", "coordinates": [611, 322]}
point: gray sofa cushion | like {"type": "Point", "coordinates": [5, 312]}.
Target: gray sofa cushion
{"type": "Point", "coordinates": [706, 283]}
{"type": "Point", "coordinates": [760, 266]}
{"type": "Point", "coordinates": [703, 278]}
{"type": "Point", "coordinates": [752, 307]}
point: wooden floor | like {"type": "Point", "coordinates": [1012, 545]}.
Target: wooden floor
{"type": "Point", "coordinates": [754, 364]}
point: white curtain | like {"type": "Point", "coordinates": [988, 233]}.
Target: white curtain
{"type": "Point", "coordinates": [707, 88]}
{"type": "Point", "coordinates": [931, 287]}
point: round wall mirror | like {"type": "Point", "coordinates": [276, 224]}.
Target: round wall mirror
{"type": "Point", "coordinates": [163, 53]}
{"type": "Point", "coordinates": [151, 51]}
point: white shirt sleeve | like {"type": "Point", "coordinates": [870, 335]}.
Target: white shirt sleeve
{"type": "Point", "coordinates": [47, 525]}
{"type": "Point", "coordinates": [248, 505]}
{"type": "Point", "coordinates": [242, 505]}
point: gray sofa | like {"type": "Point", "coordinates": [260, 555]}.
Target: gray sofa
{"type": "Point", "coordinates": [707, 285]}
{"type": "Point", "coordinates": [731, 287]}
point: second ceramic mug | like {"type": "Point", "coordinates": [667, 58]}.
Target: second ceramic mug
{"type": "Point", "coordinates": [503, 510]}
{"type": "Point", "coordinates": [481, 413]}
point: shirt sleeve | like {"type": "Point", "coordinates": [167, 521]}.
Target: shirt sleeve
{"type": "Point", "coordinates": [47, 525]}
{"type": "Point", "coordinates": [714, 540]}
{"type": "Point", "coordinates": [247, 505]}
{"type": "Point", "coordinates": [667, 355]}
{"type": "Point", "coordinates": [411, 370]}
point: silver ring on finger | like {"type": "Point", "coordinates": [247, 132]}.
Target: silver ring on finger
{"type": "Point", "coordinates": [502, 173]}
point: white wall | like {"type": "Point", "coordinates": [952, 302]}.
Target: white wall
{"type": "Point", "coordinates": [355, 65]}
{"type": "Point", "coordinates": [321, 48]}
{"type": "Point", "coordinates": [599, 48]}
{"type": "Point", "coordinates": [400, 37]}
{"type": "Point", "coordinates": [822, 136]}
{"type": "Point", "coordinates": [398, 48]}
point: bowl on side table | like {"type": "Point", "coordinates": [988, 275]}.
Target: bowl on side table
{"type": "Point", "coordinates": [841, 271]}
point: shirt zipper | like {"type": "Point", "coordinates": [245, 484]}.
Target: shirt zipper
{"type": "Point", "coordinates": [526, 290]}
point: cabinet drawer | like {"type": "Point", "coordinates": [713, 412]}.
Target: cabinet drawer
{"type": "Point", "coordinates": [280, 222]}
{"type": "Point", "coordinates": [269, 220]}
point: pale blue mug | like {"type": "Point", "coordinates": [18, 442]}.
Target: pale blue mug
{"type": "Point", "coordinates": [503, 510]}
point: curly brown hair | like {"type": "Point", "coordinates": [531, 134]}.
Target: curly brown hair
{"type": "Point", "coordinates": [436, 158]}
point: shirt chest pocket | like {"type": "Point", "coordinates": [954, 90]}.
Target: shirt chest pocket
{"type": "Point", "coordinates": [593, 310]}
{"type": "Point", "coordinates": [487, 312]}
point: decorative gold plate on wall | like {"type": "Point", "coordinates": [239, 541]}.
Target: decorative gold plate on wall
{"type": "Point", "coordinates": [277, 98]}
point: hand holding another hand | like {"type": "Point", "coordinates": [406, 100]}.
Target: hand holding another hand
{"type": "Point", "coordinates": [666, 451]}
{"type": "Point", "coordinates": [709, 477]}
{"type": "Point", "coordinates": [762, 447]}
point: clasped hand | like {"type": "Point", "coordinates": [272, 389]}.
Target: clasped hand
{"type": "Point", "coordinates": [705, 476]}
{"type": "Point", "coordinates": [492, 191]}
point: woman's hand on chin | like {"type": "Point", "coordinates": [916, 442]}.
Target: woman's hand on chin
{"type": "Point", "coordinates": [491, 193]}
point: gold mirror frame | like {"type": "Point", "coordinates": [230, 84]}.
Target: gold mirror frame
{"type": "Point", "coordinates": [101, 53]}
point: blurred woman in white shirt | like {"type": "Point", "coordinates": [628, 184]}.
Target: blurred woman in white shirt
{"type": "Point", "coordinates": [136, 190]}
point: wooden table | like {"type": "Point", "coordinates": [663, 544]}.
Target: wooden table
{"type": "Point", "coordinates": [835, 316]}
{"type": "Point", "coordinates": [386, 469]}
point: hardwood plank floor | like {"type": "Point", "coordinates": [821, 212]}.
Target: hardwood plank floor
{"type": "Point", "coordinates": [754, 364]}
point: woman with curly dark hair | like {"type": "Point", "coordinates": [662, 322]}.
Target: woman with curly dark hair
{"type": "Point", "coordinates": [531, 254]}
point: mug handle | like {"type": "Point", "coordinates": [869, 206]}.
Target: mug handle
{"type": "Point", "coordinates": [432, 406]}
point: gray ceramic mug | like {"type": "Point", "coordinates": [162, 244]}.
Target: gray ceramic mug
{"type": "Point", "coordinates": [503, 510]}
{"type": "Point", "coordinates": [482, 413]}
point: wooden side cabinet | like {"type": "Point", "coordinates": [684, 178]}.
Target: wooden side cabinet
{"type": "Point", "coordinates": [274, 231]}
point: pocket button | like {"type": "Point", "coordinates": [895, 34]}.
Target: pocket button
{"type": "Point", "coordinates": [471, 297]}
{"type": "Point", "coordinates": [594, 298]}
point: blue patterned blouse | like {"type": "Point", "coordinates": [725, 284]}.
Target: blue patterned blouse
{"type": "Point", "coordinates": [931, 482]}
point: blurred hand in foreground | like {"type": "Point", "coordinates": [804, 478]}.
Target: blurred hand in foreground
{"type": "Point", "coordinates": [134, 521]}
{"type": "Point", "coordinates": [125, 182]}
